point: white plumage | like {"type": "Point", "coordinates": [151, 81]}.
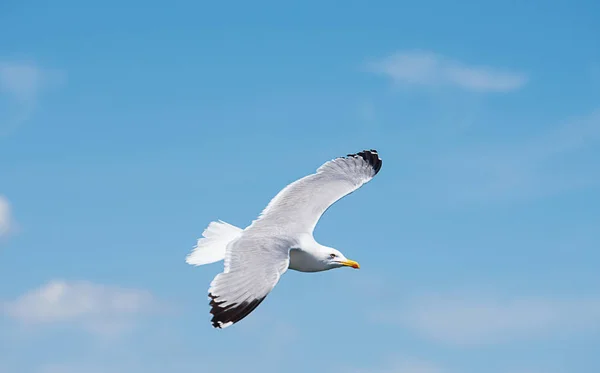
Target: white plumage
{"type": "Point", "coordinates": [281, 238]}
{"type": "Point", "coordinates": [211, 246]}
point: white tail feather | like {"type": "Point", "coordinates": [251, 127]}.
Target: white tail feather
{"type": "Point", "coordinates": [211, 247]}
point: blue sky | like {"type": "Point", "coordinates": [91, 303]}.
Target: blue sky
{"type": "Point", "coordinates": [125, 128]}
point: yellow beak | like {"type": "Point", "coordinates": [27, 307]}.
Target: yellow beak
{"type": "Point", "coordinates": [351, 263]}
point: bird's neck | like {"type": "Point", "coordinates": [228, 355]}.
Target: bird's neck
{"type": "Point", "coordinates": [306, 258]}
{"type": "Point", "coordinates": [308, 244]}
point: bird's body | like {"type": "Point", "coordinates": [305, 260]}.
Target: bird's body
{"type": "Point", "coordinates": [281, 238]}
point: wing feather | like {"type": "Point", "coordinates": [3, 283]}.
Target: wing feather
{"type": "Point", "coordinates": [253, 267]}
{"type": "Point", "coordinates": [298, 207]}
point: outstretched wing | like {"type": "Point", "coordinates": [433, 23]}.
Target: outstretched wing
{"type": "Point", "coordinates": [298, 207]}
{"type": "Point", "coordinates": [255, 261]}
{"type": "Point", "coordinates": [253, 265]}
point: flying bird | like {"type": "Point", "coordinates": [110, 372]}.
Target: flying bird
{"type": "Point", "coordinates": [281, 238]}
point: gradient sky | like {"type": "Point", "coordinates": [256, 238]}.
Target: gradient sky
{"type": "Point", "coordinates": [126, 127]}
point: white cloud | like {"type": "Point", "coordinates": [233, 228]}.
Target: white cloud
{"type": "Point", "coordinates": [549, 163]}
{"type": "Point", "coordinates": [97, 308]}
{"type": "Point", "coordinates": [406, 365]}
{"type": "Point", "coordinates": [72, 368]}
{"type": "Point", "coordinates": [169, 347]}
{"type": "Point", "coordinates": [418, 68]}
{"type": "Point", "coordinates": [477, 321]}
{"type": "Point", "coordinates": [5, 216]}
{"type": "Point", "coordinates": [21, 83]}
{"type": "Point", "coordinates": [416, 365]}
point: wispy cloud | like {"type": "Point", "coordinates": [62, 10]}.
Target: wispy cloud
{"type": "Point", "coordinates": [404, 365]}
{"type": "Point", "coordinates": [5, 216]}
{"type": "Point", "coordinates": [100, 309]}
{"type": "Point", "coordinates": [458, 320]}
{"type": "Point", "coordinates": [417, 365]}
{"type": "Point", "coordinates": [181, 349]}
{"type": "Point", "coordinates": [71, 368]}
{"type": "Point", "coordinates": [548, 163]}
{"type": "Point", "coordinates": [21, 81]}
{"type": "Point", "coordinates": [21, 84]}
{"type": "Point", "coordinates": [418, 68]}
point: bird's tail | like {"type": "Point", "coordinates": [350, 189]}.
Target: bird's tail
{"type": "Point", "coordinates": [211, 246]}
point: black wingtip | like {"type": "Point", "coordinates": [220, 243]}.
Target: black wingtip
{"type": "Point", "coordinates": [371, 156]}
{"type": "Point", "coordinates": [225, 316]}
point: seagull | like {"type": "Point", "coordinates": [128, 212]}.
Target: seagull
{"type": "Point", "coordinates": [281, 238]}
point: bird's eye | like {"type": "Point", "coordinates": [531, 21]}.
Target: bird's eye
{"type": "Point", "coordinates": [332, 256]}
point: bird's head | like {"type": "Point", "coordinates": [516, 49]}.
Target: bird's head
{"type": "Point", "coordinates": [335, 259]}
